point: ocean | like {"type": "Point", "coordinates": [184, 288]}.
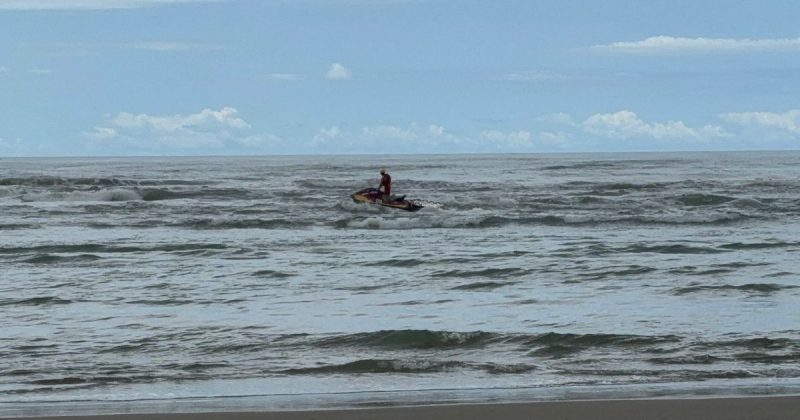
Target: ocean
{"type": "Point", "coordinates": [258, 282]}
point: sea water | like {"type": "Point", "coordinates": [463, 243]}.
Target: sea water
{"type": "Point", "coordinates": [169, 279]}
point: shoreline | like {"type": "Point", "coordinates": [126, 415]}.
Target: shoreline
{"type": "Point", "coordinates": [715, 408]}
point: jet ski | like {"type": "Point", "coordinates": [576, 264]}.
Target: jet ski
{"type": "Point", "coordinates": [373, 196]}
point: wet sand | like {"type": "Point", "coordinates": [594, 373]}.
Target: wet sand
{"type": "Point", "coordinates": [755, 408]}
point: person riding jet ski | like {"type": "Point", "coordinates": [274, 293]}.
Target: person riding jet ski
{"type": "Point", "coordinates": [386, 184]}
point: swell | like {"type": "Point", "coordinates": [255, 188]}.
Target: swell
{"type": "Point", "coordinates": [56, 181]}
{"type": "Point", "coordinates": [418, 366]}
{"type": "Point", "coordinates": [102, 248]}
{"type": "Point", "coordinates": [465, 221]}
{"type": "Point", "coordinates": [35, 301]}
{"type": "Point", "coordinates": [251, 352]}
{"type": "Point", "coordinates": [760, 288]}
{"type": "Point", "coordinates": [410, 339]}
{"type": "Point", "coordinates": [487, 272]}
{"type": "Point", "coordinates": [118, 194]}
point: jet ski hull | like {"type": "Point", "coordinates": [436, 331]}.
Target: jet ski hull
{"type": "Point", "coordinates": [373, 196]}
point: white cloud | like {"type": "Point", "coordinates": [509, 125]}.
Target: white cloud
{"type": "Point", "coordinates": [325, 135]}
{"type": "Point", "coordinates": [414, 138]}
{"type": "Point", "coordinates": [788, 121]}
{"type": "Point", "coordinates": [207, 129]}
{"type": "Point", "coordinates": [431, 135]}
{"type": "Point", "coordinates": [13, 147]}
{"type": "Point", "coordinates": [681, 45]}
{"type": "Point", "coordinates": [41, 71]}
{"type": "Point", "coordinates": [85, 4]}
{"type": "Point", "coordinates": [338, 72]}
{"type": "Point", "coordinates": [559, 118]}
{"type": "Point", "coordinates": [259, 141]}
{"type": "Point", "coordinates": [511, 140]}
{"type": "Point", "coordinates": [207, 118]}
{"type": "Point", "coordinates": [102, 133]}
{"type": "Point", "coordinates": [626, 124]}
{"type": "Point", "coordinates": [555, 138]}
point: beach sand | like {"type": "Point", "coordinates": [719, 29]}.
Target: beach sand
{"type": "Point", "coordinates": [755, 408]}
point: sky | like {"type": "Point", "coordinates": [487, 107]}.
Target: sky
{"type": "Point", "coordinates": [256, 77]}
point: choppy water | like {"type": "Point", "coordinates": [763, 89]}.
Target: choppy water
{"type": "Point", "coordinates": [126, 279]}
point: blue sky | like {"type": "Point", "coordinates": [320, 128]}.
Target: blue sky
{"type": "Point", "coordinates": [206, 77]}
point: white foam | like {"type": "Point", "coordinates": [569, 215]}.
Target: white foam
{"type": "Point", "coordinates": [83, 196]}
{"type": "Point", "coordinates": [417, 222]}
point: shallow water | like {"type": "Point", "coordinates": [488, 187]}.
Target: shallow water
{"type": "Point", "coordinates": [135, 278]}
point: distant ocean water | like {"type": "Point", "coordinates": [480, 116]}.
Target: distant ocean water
{"type": "Point", "coordinates": [125, 279]}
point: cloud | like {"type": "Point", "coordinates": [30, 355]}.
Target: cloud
{"type": "Point", "coordinates": [626, 124]}
{"type": "Point", "coordinates": [788, 122]}
{"type": "Point", "coordinates": [207, 118]}
{"type": "Point", "coordinates": [559, 118]}
{"type": "Point", "coordinates": [681, 45]}
{"type": "Point", "coordinates": [555, 138]}
{"type": "Point", "coordinates": [86, 4]}
{"type": "Point", "coordinates": [15, 147]}
{"type": "Point", "coordinates": [512, 140]}
{"type": "Point", "coordinates": [338, 72]}
{"type": "Point", "coordinates": [207, 130]}
{"type": "Point", "coordinates": [415, 138]}
{"type": "Point", "coordinates": [41, 72]}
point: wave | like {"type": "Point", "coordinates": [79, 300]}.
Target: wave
{"type": "Point", "coordinates": [17, 226]}
{"type": "Point", "coordinates": [482, 285]}
{"type": "Point", "coordinates": [560, 344]}
{"type": "Point", "coordinates": [112, 195]}
{"type": "Point", "coordinates": [698, 199]}
{"type": "Point", "coordinates": [205, 193]}
{"type": "Point", "coordinates": [488, 272]}
{"type": "Point", "coordinates": [695, 359]}
{"type": "Point", "coordinates": [56, 181]}
{"type": "Point", "coordinates": [101, 248]}
{"type": "Point", "coordinates": [244, 224]}
{"type": "Point", "coordinates": [632, 270]}
{"type": "Point", "coordinates": [401, 262]}
{"type": "Point", "coordinates": [761, 288]}
{"type": "Point", "coordinates": [134, 194]}
{"type": "Point", "coordinates": [542, 344]}
{"type": "Point", "coordinates": [271, 274]}
{"type": "Point", "coordinates": [36, 301]}
{"type": "Point", "coordinates": [60, 259]}
{"type": "Point", "coordinates": [381, 366]}
{"type": "Point", "coordinates": [759, 245]}
{"type": "Point", "coordinates": [410, 339]}
{"type": "Point", "coordinates": [674, 375]}
{"type": "Point", "coordinates": [418, 366]}
{"type": "Point", "coordinates": [766, 358]}
{"type": "Point", "coordinates": [467, 221]}
{"type": "Point", "coordinates": [585, 165]}
{"type": "Point", "coordinates": [653, 249]}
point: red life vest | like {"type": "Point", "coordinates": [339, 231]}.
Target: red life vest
{"type": "Point", "coordinates": [386, 183]}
